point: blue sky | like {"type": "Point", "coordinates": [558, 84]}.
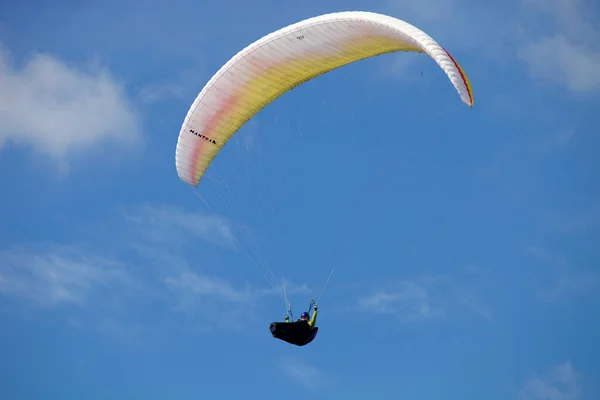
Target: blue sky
{"type": "Point", "coordinates": [464, 241]}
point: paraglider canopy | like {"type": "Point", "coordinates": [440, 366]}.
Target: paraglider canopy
{"type": "Point", "coordinates": [284, 59]}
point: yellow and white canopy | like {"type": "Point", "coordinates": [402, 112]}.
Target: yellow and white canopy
{"type": "Point", "coordinates": [286, 58]}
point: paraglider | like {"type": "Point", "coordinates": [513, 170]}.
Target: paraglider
{"type": "Point", "coordinates": [289, 57]}
{"type": "Point", "coordinates": [276, 64]}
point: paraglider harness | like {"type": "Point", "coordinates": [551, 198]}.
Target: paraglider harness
{"type": "Point", "coordinates": [297, 332]}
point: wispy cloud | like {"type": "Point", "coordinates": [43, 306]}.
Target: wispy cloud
{"type": "Point", "coordinates": [561, 382]}
{"type": "Point", "coordinates": [568, 54]}
{"type": "Point", "coordinates": [110, 292]}
{"type": "Point", "coordinates": [184, 86]}
{"type": "Point", "coordinates": [559, 60]}
{"type": "Point", "coordinates": [306, 375]}
{"type": "Point", "coordinates": [426, 9]}
{"type": "Point", "coordinates": [464, 24]}
{"type": "Point", "coordinates": [166, 235]}
{"type": "Point", "coordinates": [146, 257]}
{"type": "Point", "coordinates": [428, 297]}
{"type": "Point", "coordinates": [556, 40]}
{"type": "Point", "coordinates": [192, 292]}
{"type": "Point", "coordinates": [557, 278]}
{"type": "Point", "coordinates": [516, 167]}
{"type": "Point", "coordinates": [408, 300]}
{"type": "Point", "coordinates": [58, 275]}
{"type": "Point", "coordinates": [196, 290]}
{"type": "Point", "coordinates": [207, 286]}
{"type": "Point", "coordinates": [162, 255]}
{"type": "Point", "coordinates": [399, 66]}
{"type": "Point", "coordinates": [128, 330]}
{"type": "Point", "coordinates": [246, 138]}
{"type": "Point", "coordinates": [168, 224]}
{"type": "Point", "coordinates": [159, 92]}
{"type": "Point", "coordinates": [573, 222]}
{"type": "Point", "coordinates": [56, 109]}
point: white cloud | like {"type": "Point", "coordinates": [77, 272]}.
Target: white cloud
{"type": "Point", "coordinates": [556, 39]}
{"type": "Point", "coordinates": [112, 294]}
{"type": "Point", "coordinates": [167, 224]}
{"type": "Point", "coordinates": [203, 287]}
{"type": "Point", "coordinates": [462, 25]}
{"type": "Point", "coordinates": [306, 375]}
{"type": "Point", "coordinates": [164, 233]}
{"type": "Point", "coordinates": [400, 66]}
{"type": "Point", "coordinates": [429, 10]}
{"type": "Point", "coordinates": [561, 279]}
{"type": "Point", "coordinates": [560, 383]}
{"type": "Point", "coordinates": [183, 86]}
{"type": "Point", "coordinates": [159, 92]}
{"type": "Point", "coordinates": [582, 219]}
{"type": "Point", "coordinates": [56, 109]}
{"type": "Point", "coordinates": [568, 52]}
{"type": "Point", "coordinates": [56, 276]}
{"type": "Point", "coordinates": [428, 297]}
{"type": "Point", "coordinates": [246, 138]}
{"type": "Point", "coordinates": [127, 331]}
{"type": "Point", "coordinates": [145, 259]}
{"type": "Point", "coordinates": [563, 61]}
{"type": "Point", "coordinates": [193, 293]}
{"type": "Point", "coordinates": [408, 300]}
{"type": "Point", "coordinates": [168, 236]}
